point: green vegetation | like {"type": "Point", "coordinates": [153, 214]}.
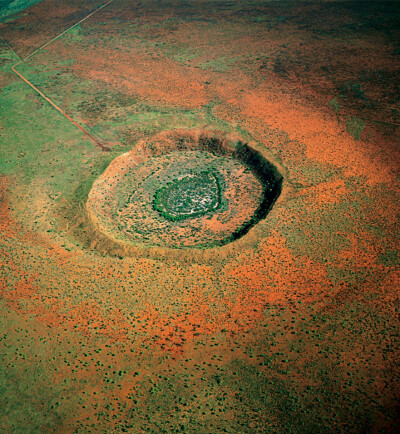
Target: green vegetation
{"type": "Point", "coordinates": [334, 104]}
{"type": "Point", "coordinates": [353, 90]}
{"type": "Point", "coordinates": [26, 151]}
{"type": "Point", "coordinates": [75, 34]}
{"type": "Point", "coordinates": [190, 197]}
{"type": "Point", "coordinates": [390, 258]}
{"type": "Point", "coordinates": [8, 8]}
{"type": "Point", "coordinates": [220, 64]}
{"type": "Point", "coordinates": [268, 20]}
{"type": "Point", "coordinates": [355, 127]}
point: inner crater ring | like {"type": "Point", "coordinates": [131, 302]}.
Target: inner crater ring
{"type": "Point", "coordinates": [183, 189]}
{"type": "Point", "coordinates": [190, 196]}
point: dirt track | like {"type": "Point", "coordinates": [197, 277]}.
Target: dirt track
{"type": "Point", "coordinates": [84, 130]}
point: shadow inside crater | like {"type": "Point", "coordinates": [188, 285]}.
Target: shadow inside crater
{"type": "Point", "coordinates": [271, 181]}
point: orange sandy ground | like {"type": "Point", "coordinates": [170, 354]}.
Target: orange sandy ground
{"type": "Point", "coordinates": [320, 250]}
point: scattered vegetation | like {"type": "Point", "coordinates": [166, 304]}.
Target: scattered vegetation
{"type": "Point", "coordinates": [293, 328]}
{"type": "Point", "coordinates": [355, 127]}
{"type": "Point", "coordinates": [189, 197]}
{"type": "Point", "coordinates": [12, 7]}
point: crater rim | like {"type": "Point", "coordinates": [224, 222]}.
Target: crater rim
{"type": "Point", "coordinates": [216, 143]}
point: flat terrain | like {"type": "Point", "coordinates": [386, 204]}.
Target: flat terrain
{"type": "Point", "coordinates": [294, 327]}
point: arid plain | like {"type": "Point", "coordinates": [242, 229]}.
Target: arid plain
{"type": "Point", "coordinates": [290, 325]}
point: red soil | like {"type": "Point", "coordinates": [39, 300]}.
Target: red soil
{"type": "Point", "coordinates": [324, 244]}
{"type": "Point", "coordinates": [271, 272]}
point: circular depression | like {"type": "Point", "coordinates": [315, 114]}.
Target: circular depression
{"type": "Point", "coordinates": [183, 189]}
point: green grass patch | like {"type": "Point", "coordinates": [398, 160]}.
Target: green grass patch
{"type": "Point", "coordinates": [390, 258]}
{"type": "Point", "coordinates": [334, 104]}
{"type": "Point", "coordinates": [355, 127]}
{"type": "Point", "coordinates": [189, 197]}
{"type": "Point", "coordinates": [8, 8]}
{"type": "Point", "coordinates": [220, 64]}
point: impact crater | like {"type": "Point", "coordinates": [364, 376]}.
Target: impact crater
{"type": "Point", "coordinates": [183, 189]}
